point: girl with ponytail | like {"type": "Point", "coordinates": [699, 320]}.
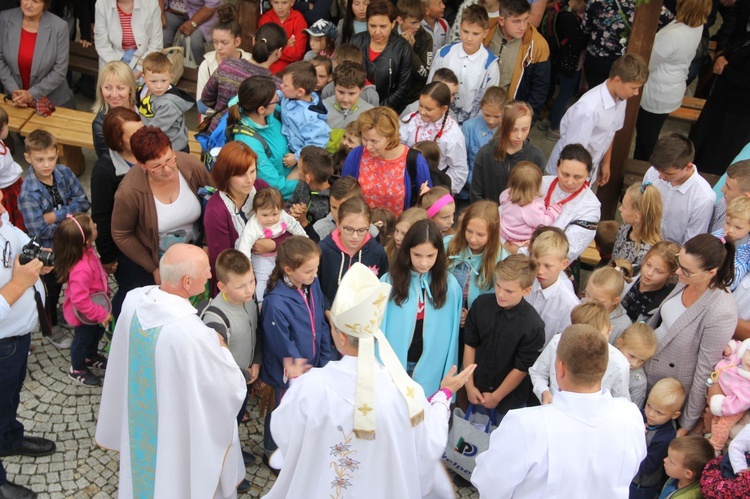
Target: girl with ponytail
{"type": "Point", "coordinates": [641, 212]}
{"type": "Point", "coordinates": [432, 122]}
{"type": "Point", "coordinates": [695, 323]}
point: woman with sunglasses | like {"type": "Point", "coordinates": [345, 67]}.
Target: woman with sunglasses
{"type": "Point", "coordinates": [695, 322]}
{"type": "Point", "coordinates": [157, 204]}
{"type": "Point", "coordinates": [251, 120]}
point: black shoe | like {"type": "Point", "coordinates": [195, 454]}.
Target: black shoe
{"type": "Point", "coordinates": [273, 470]}
{"type": "Point", "coordinates": [243, 487]}
{"type": "Point", "coordinates": [248, 458]}
{"type": "Point", "coordinates": [32, 446]}
{"type": "Point", "coordinates": [85, 377]}
{"type": "Point", "coordinates": [12, 491]}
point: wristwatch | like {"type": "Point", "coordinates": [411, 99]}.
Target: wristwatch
{"type": "Point", "coordinates": [194, 24]}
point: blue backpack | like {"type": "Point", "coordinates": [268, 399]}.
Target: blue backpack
{"type": "Point", "coordinates": [212, 142]}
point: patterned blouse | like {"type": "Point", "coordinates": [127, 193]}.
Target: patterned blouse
{"type": "Point", "coordinates": [382, 181]}
{"type": "Point", "coordinates": [608, 30]}
{"type": "Point", "coordinates": [625, 248]}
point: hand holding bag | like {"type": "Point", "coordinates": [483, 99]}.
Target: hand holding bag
{"type": "Point", "coordinates": [469, 436]}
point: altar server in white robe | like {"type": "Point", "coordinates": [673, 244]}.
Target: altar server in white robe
{"type": "Point", "coordinates": [172, 391]}
{"type": "Point", "coordinates": [586, 444]}
{"type": "Point", "coordinates": [357, 428]}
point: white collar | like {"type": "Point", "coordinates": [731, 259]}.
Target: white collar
{"type": "Point", "coordinates": [607, 99]}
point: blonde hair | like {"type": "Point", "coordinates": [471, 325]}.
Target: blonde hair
{"type": "Point", "coordinates": [592, 314]}
{"type": "Point", "coordinates": [668, 391]}
{"type": "Point", "coordinates": [550, 242]}
{"type": "Point", "coordinates": [739, 207]}
{"type": "Point", "coordinates": [383, 120]}
{"type": "Point", "coordinates": [409, 216]}
{"type": "Point", "coordinates": [486, 211]}
{"type": "Point", "coordinates": [613, 277]}
{"type": "Point", "coordinates": [647, 201]}
{"type": "Point", "coordinates": [430, 197]}
{"type": "Point", "coordinates": [517, 268]}
{"type": "Point", "coordinates": [524, 183]}
{"type": "Point", "coordinates": [123, 74]}
{"type": "Point", "coordinates": [640, 338]}
{"type": "Point", "coordinates": [693, 13]}
{"type": "Point", "coordinates": [667, 251]}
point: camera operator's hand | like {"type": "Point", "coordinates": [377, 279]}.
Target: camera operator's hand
{"type": "Point", "coordinates": [26, 275]}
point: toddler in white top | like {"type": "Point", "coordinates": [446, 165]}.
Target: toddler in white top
{"type": "Point", "coordinates": [269, 221]}
{"type": "Point", "coordinates": [522, 209]}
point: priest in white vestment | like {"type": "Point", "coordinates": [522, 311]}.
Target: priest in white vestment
{"type": "Point", "coordinates": [586, 444]}
{"type": "Point", "coordinates": [172, 391]}
{"type": "Point", "coordinates": [357, 428]}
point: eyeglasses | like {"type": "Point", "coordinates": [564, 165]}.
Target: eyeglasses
{"type": "Point", "coordinates": [273, 102]}
{"type": "Point", "coordinates": [349, 231]}
{"type": "Point", "coordinates": [685, 271]}
{"type": "Point", "coordinates": [171, 162]}
{"type": "Point", "coordinates": [7, 256]}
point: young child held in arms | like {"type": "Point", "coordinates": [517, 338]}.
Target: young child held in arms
{"type": "Point", "coordinates": [542, 373]}
{"type": "Point", "coordinates": [522, 207]}
{"type": "Point", "coordinates": [503, 345]}
{"type": "Point", "coordinates": [269, 221]}
{"type": "Point", "coordinates": [475, 66]}
{"type": "Point", "coordinates": [662, 409]}
{"type": "Point", "coordinates": [641, 212]}
{"type": "Point", "coordinates": [728, 392]}
{"type": "Point", "coordinates": [605, 286]}
{"type": "Point", "coordinates": [10, 176]}
{"type": "Point", "coordinates": [162, 105]}
{"type": "Point", "coordinates": [303, 115]}
{"type": "Point", "coordinates": [310, 201]}
{"type": "Point", "coordinates": [77, 264]}
{"type": "Point", "coordinates": [552, 294]}
{"type": "Point", "coordinates": [432, 122]}
{"type": "Point", "coordinates": [737, 230]}
{"type": "Point", "coordinates": [686, 458]}
{"type": "Point", "coordinates": [638, 344]}
{"type": "Point", "coordinates": [50, 193]}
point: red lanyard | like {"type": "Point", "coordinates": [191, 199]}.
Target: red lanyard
{"type": "Point", "coordinates": [568, 199]}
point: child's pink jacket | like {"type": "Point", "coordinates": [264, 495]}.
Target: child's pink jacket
{"type": "Point", "coordinates": [735, 383]}
{"type": "Point", "coordinates": [517, 222]}
{"type": "Point", "coordinates": [86, 278]}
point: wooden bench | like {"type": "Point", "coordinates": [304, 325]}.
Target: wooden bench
{"type": "Point", "coordinates": [18, 116]}
{"type": "Point", "coordinates": [689, 111]}
{"type": "Point", "coordinates": [85, 60]}
{"type": "Point", "coordinates": [590, 256]}
{"type": "Point", "coordinates": [635, 170]}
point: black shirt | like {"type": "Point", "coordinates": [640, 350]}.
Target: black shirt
{"type": "Point", "coordinates": [505, 339]}
{"type": "Point", "coordinates": [639, 305]}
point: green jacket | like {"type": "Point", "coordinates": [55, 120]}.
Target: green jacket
{"type": "Point", "coordinates": [692, 491]}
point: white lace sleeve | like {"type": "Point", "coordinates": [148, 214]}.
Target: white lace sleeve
{"type": "Point", "coordinates": [578, 239]}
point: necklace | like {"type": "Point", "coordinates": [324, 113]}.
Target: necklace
{"type": "Point", "coordinates": [568, 199]}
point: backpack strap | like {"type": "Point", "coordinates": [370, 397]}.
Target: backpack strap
{"type": "Point", "coordinates": [223, 328]}
{"type": "Point", "coordinates": [411, 169]}
{"type": "Point", "coordinates": [240, 129]}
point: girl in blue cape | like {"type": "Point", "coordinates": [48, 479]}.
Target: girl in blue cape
{"type": "Point", "coordinates": [424, 310]}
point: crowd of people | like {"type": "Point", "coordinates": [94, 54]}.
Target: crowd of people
{"type": "Point", "coordinates": [371, 238]}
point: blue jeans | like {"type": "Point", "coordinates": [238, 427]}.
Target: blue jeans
{"type": "Point", "coordinates": [85, 345]}
{"type": "Point", "coordinates": [568, 88]}
{"type": "Point", "coordinates": [14, 355]}
{"type": "Point", "coordinates": [127, 56]}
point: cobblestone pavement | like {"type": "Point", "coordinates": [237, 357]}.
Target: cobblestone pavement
{"type": "Point", "coordinates": [54, 407]}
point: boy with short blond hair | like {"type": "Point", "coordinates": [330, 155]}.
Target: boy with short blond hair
{"type": "Point", "coordinates": [737, 230]}
{"type": "Point", "coordinates": [688, 198]}
{"type": "Point", "coordinates": [599, 114]}
{"type": "Point", "coordinates": [410, 16]}
{"type": "Point", "coordinates": [737, 184]}
{"type": "Point", "coordinates": [503, 335]}
{"type": "Point", "coordinates": [686, 458]}
{"type": "Point", "coordinates": [662, 410]}
{"type": "Point", "coordinates": [346, 104]}
{"type": "Point", "coordinates": [543, 374]}
{"type": "Point", "coordinates": [303, 115]}
{"type": "Point", "coordinates": [162, 105]}
{"type": "Point", "coordinates": [551, 296]}
{"type": "Point", "coordinates": [474, 64]}
{"type": "Point", "coordinates": [48, 195]}
{"type": "Point", "coordinates": [310, 201]}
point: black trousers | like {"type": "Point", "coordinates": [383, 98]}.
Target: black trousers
{"type": "Point", "coordinates": [647, 129]}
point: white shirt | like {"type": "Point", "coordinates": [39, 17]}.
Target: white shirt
{"type": "Point", "coordinates": [22, 317]}
{"type": "Point", "coordinates": [542, 373]}
{"type": "Point", "coordinates": [742, 297]}
{"type": "Point", "coordinates": [553, 305]}
{"type": "Point", "coordinates": [687, 208]}
{"type": "Point", "coordinates": [585, 206]}
{"type": "Point", "coordinates": [469, 69]}
{"type": "Point", "coordinates": [10, 171]}
{"type": "Point", "coordinates": [176, 220]}
{"type": "Point", "coordinates": [592, 122]}
{"type": "Point", "coordinates": [145, 23]}
{"type": "Point", "coordinates": [737, 449]}
{"type": "Point", "coordinates": [674, 49]}
{"type": "Point", "coordinates": [439, 34]}
{"type": "Point", "coordinates": [671, 310]}
{"type": "Point", "coordinates": [583, 445]}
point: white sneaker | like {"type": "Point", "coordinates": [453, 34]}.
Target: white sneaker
{"type": "Point", "coordinates": [60, 338]}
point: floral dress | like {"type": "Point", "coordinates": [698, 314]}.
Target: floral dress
{"type": "Point", "coordinates": [382, 182]}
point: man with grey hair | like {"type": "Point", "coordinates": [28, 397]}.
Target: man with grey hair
{"type": "Point", "coordinates": [172, 391]}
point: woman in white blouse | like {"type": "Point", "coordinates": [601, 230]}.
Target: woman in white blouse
{"type": "Point", "coordinates": [674, 50]}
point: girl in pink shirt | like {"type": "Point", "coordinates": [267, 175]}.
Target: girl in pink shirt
{"type": "Point", "coordinates": [522, 208]}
